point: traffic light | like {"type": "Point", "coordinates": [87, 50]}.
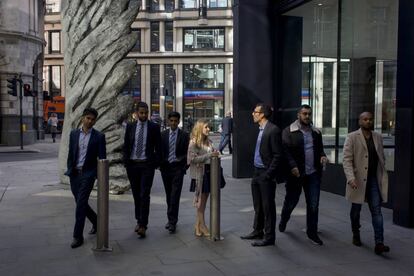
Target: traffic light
{"type": "Point", "coordinates": [26, 90]}
{"type": "Point", "coordinates": [12, 85]}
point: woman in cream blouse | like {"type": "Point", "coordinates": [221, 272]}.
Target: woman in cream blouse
{"type": "Point", "coordinates": [200, 150]}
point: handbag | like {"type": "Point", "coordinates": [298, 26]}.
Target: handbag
{"type": "Point", "coordinates": [206, 176]}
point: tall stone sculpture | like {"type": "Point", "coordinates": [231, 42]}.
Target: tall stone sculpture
{"type": "Point", "coordinates": [97, 37]}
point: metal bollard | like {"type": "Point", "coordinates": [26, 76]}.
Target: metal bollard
{"type": "Point", "coordinates": [215, 179]}
{"type": "Point", "coordinates": [102, 241]}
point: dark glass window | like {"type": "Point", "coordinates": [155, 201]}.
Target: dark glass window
{"type": "Point", "coordinates": [204, 39]}
{"type": "Point", "coordinates": [154, 5]}
{"type": "Point", "coordinates": [54, 80]}
{"type": "Point", "coordinates": [133, 86]}
{"type": "Point", "coordinates": [155, 36]}
{"type": "Point", "coordinates": [54, 42]}
{"type": "Point", "coordinates": [188, 4]}
{"type": "Point", "coordinates": [169, 79]}
{"type": "Point", "coordinates": [168, 36]}
{"type": "Point", "coordinates": [204, 76]}
{"type": "Point", "coordinates": [137, 46]}
{"type": "Point", "coordinates": [155, 88]}
{"type": "Point", "coordinates": [52, 6]}
{"type": "Point", "coordinates": [169, 5]}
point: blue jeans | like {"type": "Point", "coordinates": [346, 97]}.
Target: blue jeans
{"type": "Point", "coordinates": [373, 196]}
{"type": "Point", "coordinates": [311, 185]}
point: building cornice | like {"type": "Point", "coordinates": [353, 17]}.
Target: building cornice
{"type": "Point", "coordinates": [22, 36]}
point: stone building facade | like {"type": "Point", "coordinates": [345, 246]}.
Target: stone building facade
{"type": "Point", "coordinates": [21, 54]}
{"type": "Point", "coordinates": [184, 57]}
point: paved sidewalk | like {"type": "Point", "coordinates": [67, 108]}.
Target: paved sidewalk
{"type": "Point", "coordinates": [37, 216]}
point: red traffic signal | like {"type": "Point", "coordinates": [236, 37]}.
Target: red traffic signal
{"type": "Point", "coordinates": [26, 90]}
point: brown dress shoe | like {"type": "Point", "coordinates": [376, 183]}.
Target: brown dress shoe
{"type": "Point", "coordinates": [141, 232]}
{"type": "Point", "coordinates": [381, 248]}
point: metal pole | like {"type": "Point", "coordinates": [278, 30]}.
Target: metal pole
{"type": "Point", "coordinates": [102, 241]}
{"type": "Point", "coordinates": [215, 179]}
{"type": "Point", "coordinates": [21, 111]}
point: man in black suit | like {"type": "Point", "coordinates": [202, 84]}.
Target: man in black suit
{"type": "Point", "coordinates": [267, 161]}
{"type": "Point", "coordinates": [226, 131]}
{"type": "Point", "coordinates": [86, 145]}
{"type": "Point", "coordinates": [141, 156]}
{"type": "Point", "coordinates": [174, 145]}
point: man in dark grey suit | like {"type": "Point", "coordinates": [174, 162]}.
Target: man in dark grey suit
{"type": "Point", "coordinates": [267, 162]}
{"type": "Point", "coordinates": [86, 145]}
{"type": "Point", "coordinates": [141, 156]}
{"type": "Point", "coordinates": [174, 145]}
{"type": "Point", "coordinates": [226, 131]}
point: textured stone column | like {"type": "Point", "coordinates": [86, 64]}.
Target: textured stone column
{"type": "Point", "coordinates": [97, 37]}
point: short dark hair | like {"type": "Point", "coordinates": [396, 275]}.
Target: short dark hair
{"type": "Point", "coordinates": [90, 111]}
{"type": "Point", "coordinates": [174, 114]}
{"type": "Point", "coordinates": [304, 106]}
{"type": "Point", "coordinates": [266, 109]}
{"type": "Point", "coordinates": [140, 105]}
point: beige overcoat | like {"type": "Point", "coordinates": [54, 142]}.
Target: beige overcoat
{"type": "Point", "coordinates": [355, 165]}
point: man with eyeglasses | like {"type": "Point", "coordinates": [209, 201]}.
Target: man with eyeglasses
{"type": "Point", "coordinates": [303, 148]}
{"type": "Point", "coordinates": [267, 160]}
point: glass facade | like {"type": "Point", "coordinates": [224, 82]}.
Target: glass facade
{"type": "Point", "coordinates": [155, 36]}
{"type": "Point", "coordinates": [203, 39]}
{"type": "Point", "coordinates": [154, 5]}
{"type": "Point", "coordinates": [52, 80]}
{"type": "Point", "coordinates": [155, 88]}
{"type": "Point", "coordinates": [169, 5]}
{"type": "Point", "coordinates": [133, 86]}
{"type": "Point", "coordinates": [137, 46]}
{"type": "Point", "coordinates": [54, 42]}
{"type": "Point", "coordinates": [52, 6]}
{"type": "Point", "coordinates": [217, 3]}
{"type": "Point", "coordinates": [204, 92]}
{"type": "Point", "coordinates": [188, 4]}
{"type": "Point", "coordinates": [169, 88]}
{"type": "Point", "coordinates": [359, 74]}
{"type": "Point", "coordinates": [169, 36]}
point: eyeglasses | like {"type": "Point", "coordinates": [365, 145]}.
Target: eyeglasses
{"type": "Point", "coordinates": [256, 112]}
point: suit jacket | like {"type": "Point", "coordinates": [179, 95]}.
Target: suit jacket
{"type": "Point", "coordinates": [271, 150]}
{"type": "Point", "coordinates": [96, 149]}
{"type": "Point", "coordinates": [355, 165]}
{"type": "Point", "coordinates": [181, 146]}
{"type": "Point", "coordinates": [294, 148]}
{"type": "Point", "coordinates": [227, 125]}
{"type": "Point", "coordinates": [153, 143]}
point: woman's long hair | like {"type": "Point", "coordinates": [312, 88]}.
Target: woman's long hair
{"type": "Point", "coordinates": [197, 133]}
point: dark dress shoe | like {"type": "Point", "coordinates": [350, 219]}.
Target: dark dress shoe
{"type": "Point", "coordinates": [172, 228]}
{"type": "Point", "coordinates": [381, 248]}
{"type": "Point", "coordinates": [136, 228]}
{"type": "Point", "coordinates": [263, 243]}
{"type": "Point", "coordinates": [356, 240]}
{"type": "Point", "coordinates": [167, 226]}
{"type": "Point", "coordinates": [255, 235]}
{"type": "Point", "coordinates": [141, 232]}
{"type": "Point", "coordinates": [315, 239]}
{"type": "Point", "coordinates": [76, 243]}
{"type": "Point", "coordinates": [92, 231]}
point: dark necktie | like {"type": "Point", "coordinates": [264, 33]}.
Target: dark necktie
{"type": "Point", "coordinates": [171, 147]}
{"type": "Point", "coordinates": [140, 140]}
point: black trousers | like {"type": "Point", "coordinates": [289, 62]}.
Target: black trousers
{"type": "Point", "coordinates": [140, 176]}
{"type": "Point", "coordinates": [81, 186]}
{"type": "Point", "coordinates": [173, 176]}
{"type": "Point", "coordinates": [263, 191]}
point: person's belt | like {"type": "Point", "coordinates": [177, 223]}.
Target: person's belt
{"type": "Point", "coordinates": [78, 171]}
{"type": "Point", "coordinates": [138, 160]}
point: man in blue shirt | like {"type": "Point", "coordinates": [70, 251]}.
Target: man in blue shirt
{"type": "Point", "coordinates": [86, 145]}
{"type": "Point", "coordinates": [306, 159]}
{"type": "Point", "coordinates": [267, 161]}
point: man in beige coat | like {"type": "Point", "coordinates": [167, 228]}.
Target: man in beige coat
{"type": "Point", "coordinates": [364, 167]}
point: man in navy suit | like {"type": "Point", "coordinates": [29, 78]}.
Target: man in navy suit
{"type": "Point", "coordinates": [86, 145]}
{"type": "Point", "coordinates": [174, 164]}
{"type": "Point", "coordinates": [267, 165]}
{"type": "Point", "coordinates": [141, 156]}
